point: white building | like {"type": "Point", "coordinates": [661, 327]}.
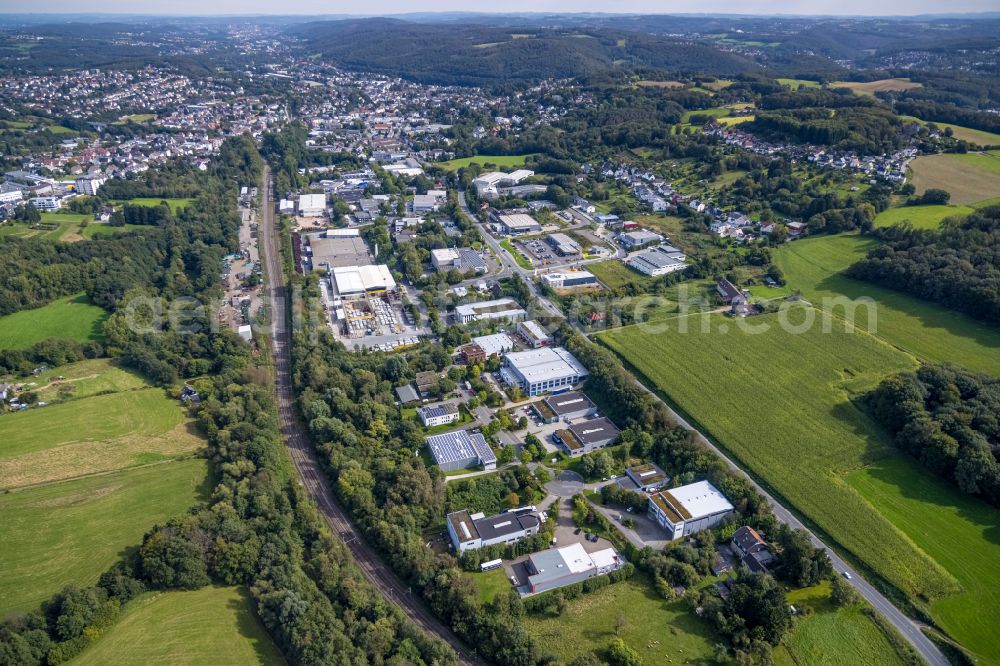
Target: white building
{"type": "Point", "coordinates": [542, 370]}
{"type": "Point", "coordinates": [659, 260]}
{"type": "Point", "coordinates": [494, 345]}
{"type": "Point", "coordinates": [435, 415]}
{"type": "Point", "coordinates": [567, 279]}
{"type": "Point", "coordinates": [519, 223]}
{"type": "Point", "coordinates": [357, 281]}
{"type": "Point", "coordinates": [486, 184]}
{"type": "Point", "coordinates": [424, 203]}
{"type": "Point", "coordinates": [46, 203]}
{"type": "Point", "coordinates": [475, 531]}
{"type": "Point", "coordinates": [502, 308]}
{"type": "Point", "coordinates": [688, 509]}
{"type": "Point", "coordinates": [534, 334]}
{"type": "Point", "coordinates": [312, 205]}
{"type": "Point", "coordinates": [89, 184]}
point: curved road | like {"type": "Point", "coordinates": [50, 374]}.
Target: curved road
{"type": "Point", "coordinates": [304, 457]}
{"type": "Point", "coordinates": [907, 627]}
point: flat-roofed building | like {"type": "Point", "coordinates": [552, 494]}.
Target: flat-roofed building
{"type": "Point", "coordinates": [495, 344]}
{"type": "Point", "coordinates": [586, 436]}
{"type": "Point", "coordinates": [542, 370]}
{"type": "Point", "coordinates": [633, 240]}
{"type": "Point", "coordinates": [475, 531]}
{"type": "Point", "coordinates": [312, 205]}
{"type": "Point", "coordinates": [328, 252]}
{"type": "Point", "coordinates": [444, 258]}
{"type": "Point", "coordinates": [424, 203]}
{"type": "Point", "coordinates": [502, 308]}
{"type": "Point", "coordinates": [558, 567]}
{"type": "Point", "coordinates": [568, 279]}
{"type": "Point", "coordinates": [461, 450]}
{"type": "Point", "coordinates": [659, 260]}
{"type": "Point", "coordinates": [647, 477]}
{"type": "Point", "coordinates": [519, 223]}
{"type": "Point", "coordinates": [563, 244]}
{"type": "Point", "coordinates": [565, 406]}
{"type": "Point", "coordinates": [435, 415]}
{"type": "Point", "coordinates": [462, 259]}
{"type": "Point", "coordinates": [688, 509]}
{"type": "Point", "coordinates": [351, 282]}
{"type": "Point", "coordinates": [534, 334]}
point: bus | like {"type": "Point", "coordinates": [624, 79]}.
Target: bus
{"type": "Point", "coordinates": [491, 565]}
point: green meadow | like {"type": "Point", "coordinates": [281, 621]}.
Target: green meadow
{"type": "Point", "coordinates": [69, 317]}
{"type": "Point", "coordinates": [213, 625]}
{"type": "Point", "coordinates": [499, 161]}
{"type": "Point", "coordinates": [920, 217]}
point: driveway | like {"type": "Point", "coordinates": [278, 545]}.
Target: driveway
{"type": "Point", "coordinates": [565, 484]}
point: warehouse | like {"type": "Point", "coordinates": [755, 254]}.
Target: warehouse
{"type": "Point", "coordinates": [518, 223]}
{"type": "Point", "coordinates": [659, 260]}
{"type": "Point", "coordinates": [566, 406]}
{"type": "Point", "coordinates": [461, 450]}
{"type": "Point", "coordinates": [567, 279]}
{"type": "Point", "coordinates": [533, 333]}
{"type": "Point", "coordinates": [312, 205]}
{"type": "Point", "coordinates": [563, 245]}
{"type": "Point", "coordinates": [351, 282]}
{"type": "Point", "coordinates": [581, 438]}
{"type": "Point", "coordinates": [328, 252]}
{"type": "Point", "coordinates": [688, 509]}
{"type": "Point", "coordinates": [634, 240]}
{"type": "Point", "coordinates": [558, 567]}
{"type": "Point", "coordinates": [503, 308]}
{"type": "Point", "coordinates": [475, 531]}
{"type": "Point", "coordinates": [542, 370]}
{"type": "Point", "coordinates": [495, 344]}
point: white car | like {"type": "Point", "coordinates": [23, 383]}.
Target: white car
{"type": "Point", "coordinates": [847, 575]}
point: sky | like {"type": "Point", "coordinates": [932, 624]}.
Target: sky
{"type": "Point", "coordinates": [372, 7]}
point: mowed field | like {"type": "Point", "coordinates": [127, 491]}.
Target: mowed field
{"type": "Point", "coordinates": [500, 161]}
{"type": "Point", "coordinates": [659, 631]}
{"type": "Point", "coordinates": [957, 531]}
{"type": "Point", "coordinates": [71, 532]}
{"type": "Point", "coordinates": [213, 625]}
{"type": "Point", "coordinates": [872, 87]}
{"type": "Point", "coordinates": [969, 178]}
{"type": "Point", "coordinates": [96, 434]}
{"type": "Point", "coordinates": [175, 204]}
{"type": "Point", "coordinates": [974, 136]}
{"type": "Point", "coordinates": [780, 403]}
{"type": "Point", "coordinates": [920, 217]}
{"type": "Point", "coordinates": [70, 317]}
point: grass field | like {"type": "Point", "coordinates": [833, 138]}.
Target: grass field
{"type": "Point", "coordinates": [806, 417]}
{"type": "Point", "coordinates": [974, 136]}
{"type": "Point", "coordinates": [87, 378]}
{"type": "Point", "coordinates": [735, 120]}
{"type": "Point", "coordinates": [95, 229]}
{"type": "Point", "coordinates": [615, 275]}
{"type": "Point", "coordinates": [646, 83]}
{"type": "Point", "coordinates": [213, 625]}
{"type": "Point", "coordinates": [969, 178]}
{"type": "Point", "coordinates": [795, 84]}
{"type": "Point", "coordinates": [926, 330]}
{"type": "Point", "coordinates": [175, 204]}
{"type": "Point", "coordinates": [832, 636]}
{"type": "Point", "coordinates": [920, 217]}
{"type": "Point", "coordinates": [872, 87]}
{"type": "Point", "coordinates": [957, 531]}
{"type": "Point", "coordinates": [660, 632]}
{"type": "Point", "coordinates": [96, 434]}
{"type": "Point", "coordinates": [518, 256]}
{"type": "Point", "coordinates": [491, 583]}
{"type": "Point", "coordinates": [71, 532]}
{"type": "Point", "coordinates": [70, 317]}
{"type": "Point", "coordinates": [500, 161]}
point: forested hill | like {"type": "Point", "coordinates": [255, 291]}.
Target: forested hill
{"type": "Point", "coordinates": [466, 54]}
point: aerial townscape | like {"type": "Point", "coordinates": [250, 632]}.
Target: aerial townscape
{"type": "Point", "coordinates": [522, 337]}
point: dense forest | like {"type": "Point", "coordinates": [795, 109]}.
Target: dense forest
{"type": "Point", "coordinates": [948, 419]}
{"type": "Point", "coordinates": [958, 266]}
{"type": "Point", "coordinates": [259, 528]}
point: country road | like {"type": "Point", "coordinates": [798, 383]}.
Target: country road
{"type": "Point", "coordinates": [907, 627]}
{"type": "Point", "coordinates": [304, 458]}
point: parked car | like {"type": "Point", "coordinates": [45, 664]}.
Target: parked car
{"type": "Point", "coordinates": [513, 581]}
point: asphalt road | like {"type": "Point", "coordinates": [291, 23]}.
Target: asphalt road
{"type": "Point", "coordinates": [307, 465]}
{"type": "Point", "coordinates": [907, 627]}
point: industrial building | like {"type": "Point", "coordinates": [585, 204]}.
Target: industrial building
{"type": "Point", "coordinates": [533, 333]}
{"type": "Point", "coordinates": [435, 415]}
{"type": "Point", "coordinates": [566, 406]}
{"type": "Point", "coordinates": [312, 205]}
{"type": "Point", "coordinates": [567, 279]}
{"type": "Point", "coordinates": [647, 477]}
{"type": "Point", "coordinates": [495, 344]}
{"type": "Point", "coordinates": [659, 260]}
{"type": "Point", "coordinates": [586, 436]}
{"type": "Point", "coordinates": [328, 251]}
{"type": "Point", "coordinates": [688, 509]}
{"type": "Point", "coordinates": [475, 531]}
{"type": "Point", "coordinates": [486, 184]}
{"type": "Point", "coordinates": [542, 370]}
{"type": "Point", "coordinates": [503, 308]}
{"type": "Point", "coordinates": [351, 282]}
{"type": "Point", "coordinates": [462, 259]}
{"type": "Point", "coordinates": [461, 450]}
{"type": "Point", "coordinates": [563, 244]}
{"type": "Point", "coordinates": [558, 567]}
{"type": "Point", "coordinates": [634, 240]}
{"type": "Point", "coordinates": [518, 223]}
